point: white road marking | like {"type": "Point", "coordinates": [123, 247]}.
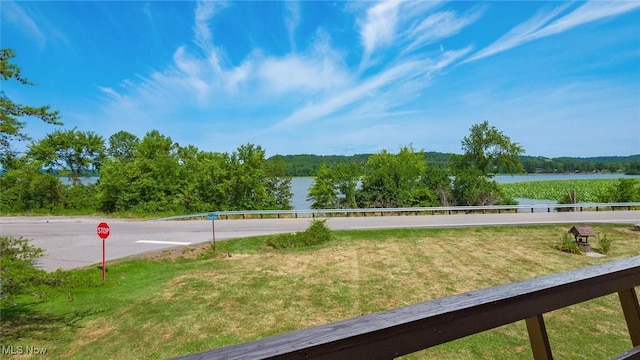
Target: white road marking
{"type": "Point", "coordinates": [163, 242]}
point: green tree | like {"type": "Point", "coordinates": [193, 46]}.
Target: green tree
{"type": "Point", "coordinates": [149, 183]}
{"type": "Point", "coordinates": [113, 192]}
{"type": "Point", "coordinates": [437, 185]}
{"type": "Point", "coordinates": [17, 273]}
{"type": "Point", "coordinates": [278, 185]}
{"type": "Point", "coordinates": [336, 186]}
{"type": "Point", "coordinates": [487, 151]}
{"type": "Point", "coordinates": [633, 168]}
{"type": "Point", "coordinates": [471, 188]}
{"type": "Point", "coordinates": [122, 145]}
{"type": "Point", "coordinates": [163, 176]}
{"type": "Point", "coordinates": [71, 150]}
{"type": "Point", "coordinates": [347, 176]}
{"type": "Point", "coordinates": [247, 188]}
{"type": "Point", "coordinates": [154, 175]}
{"type": "Point", "coordinates": [393, 180]}
{"type": "Point", "coordinates": [11, 128]}
{"type": "Point", "coordinates": [323, 193]}
{"type": "Point", "coordinates": [27, 188]}
{"type": "Point", "coordinates": [211, 181]}
{"type": "Point", "coordinates": [626, 190]}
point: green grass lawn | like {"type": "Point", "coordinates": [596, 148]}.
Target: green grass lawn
{"type": "Point", "coordinates": [188, 300]}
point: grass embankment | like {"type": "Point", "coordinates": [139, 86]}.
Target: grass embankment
{"type": "Point", "coordinates": [189, 300]}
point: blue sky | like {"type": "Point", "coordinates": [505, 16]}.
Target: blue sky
{"type": "Point", "coordinates": [323, 77]}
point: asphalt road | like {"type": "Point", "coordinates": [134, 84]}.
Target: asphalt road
{"type": "Point", "coordinates": [72, 242]}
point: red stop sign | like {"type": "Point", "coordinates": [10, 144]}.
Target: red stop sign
{"type": "Point", "coordinates": [103, 230]}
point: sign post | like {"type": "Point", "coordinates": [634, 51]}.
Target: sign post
{"type": "Point", "coordinates": [103, 231]}
{"type": "Point", "coordinates": [213, 218]}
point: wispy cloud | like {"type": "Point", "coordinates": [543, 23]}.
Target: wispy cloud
{"type": "Point", "coordinates": [292, 20]}
{"type": "Point", "coordinates": [337, 101]}
{"type": "Point", "coordinates": [440, 25]}
{"type": "Point", "coordinates": [590, 11]}
{"type": "Point", "coordinates": [205, 10]}
{"type": "Point", "coordinates": [378, 28]}
{"type": "Point", "coordinates": [543, 24]}
{"type": "Point", "coordinates": [307, 85]}
{"type": "Point", "coordinates": [376, 91]}
{"type": "Point", "coordinates": [319, 84]}
{"type": "Point", "coordinates": [13, 13]}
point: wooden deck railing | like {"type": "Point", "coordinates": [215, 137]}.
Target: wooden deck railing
{"type": "Point", "coordinates": [401, 331]}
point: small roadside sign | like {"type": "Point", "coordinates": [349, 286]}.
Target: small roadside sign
{"type": "Point", "coordinates": [103, 231]}
{"type": "Point", "coordinates": [213, 217]}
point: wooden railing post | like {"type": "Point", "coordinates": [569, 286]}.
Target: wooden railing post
{"type": "Point", "coordinates": [631, 310]}
{"type": "Point", "coordinates": [538, 338]}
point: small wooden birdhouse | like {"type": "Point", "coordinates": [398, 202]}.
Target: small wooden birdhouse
{"type": "Point", "coordinates": [582, 233]}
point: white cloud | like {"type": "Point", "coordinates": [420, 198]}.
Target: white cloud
{"type": "Point", "coordinates": [379, 27]}
{"type": "Point", "coordinates": [267, 96]}
{"type": "Point", "coordinates": [13, 13]}
{"type": "Point", "coordinates": [440, 25]}
{"type": "Point", "coordinates": [377, 93]}
{"type": "Point", "coordinates": [295, 73]}
{"type": "Point", "coordinates": [588, 12]}
{"type": "Point", "coordinates": [337, 101]}
{"type": "Point", "coordinates": [520, 34]}
{"type": "Point", "coordinates": [205, 10]}
{"type": "Point", "coordinates": [304, 86]}
{"type": "Point", "coordinates": [543, 24]}
{"type": "Point", "coordinates": [292, 20]}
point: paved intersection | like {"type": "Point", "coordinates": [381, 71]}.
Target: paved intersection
{"type": "Point", "coordinates": [72, 242]}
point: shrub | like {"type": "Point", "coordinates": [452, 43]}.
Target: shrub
{"type": "Point", "coordinates": [567, 244]}
{"type": "Point", "coordinates": [570, 198]}
{"type": "Point", "coordinates": [604, 244]}
{"type": "Point", "coordinates": [17, 274]}
{"type": "Point", "coordinates": [317, 233]}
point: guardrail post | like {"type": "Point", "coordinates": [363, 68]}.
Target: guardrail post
{"type": "Point", "coordinates": [631, 310]}
{"type": "Point", "coordinates": [538, 338]}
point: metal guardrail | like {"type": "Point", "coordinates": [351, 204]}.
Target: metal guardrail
{"type": "Point", "coordinates": [401, 331]}
{"type": "Point", "coordinates": [408, 211]}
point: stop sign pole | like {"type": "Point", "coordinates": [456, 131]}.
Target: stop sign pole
{"type": "Point", "coordinates": [103, 231]}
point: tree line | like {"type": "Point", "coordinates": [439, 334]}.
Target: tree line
{"type": "Point", "coordinates": [155, 175]}
{"type": "Point", "coordinates": [308, 165]}
{"type": "Point", "coordinates": [148, 175]}
{"type": "Point", "coordinates": [406, 179]}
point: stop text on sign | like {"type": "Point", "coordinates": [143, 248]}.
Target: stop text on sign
{"type": "Point", "coordinates": [103, 230]}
